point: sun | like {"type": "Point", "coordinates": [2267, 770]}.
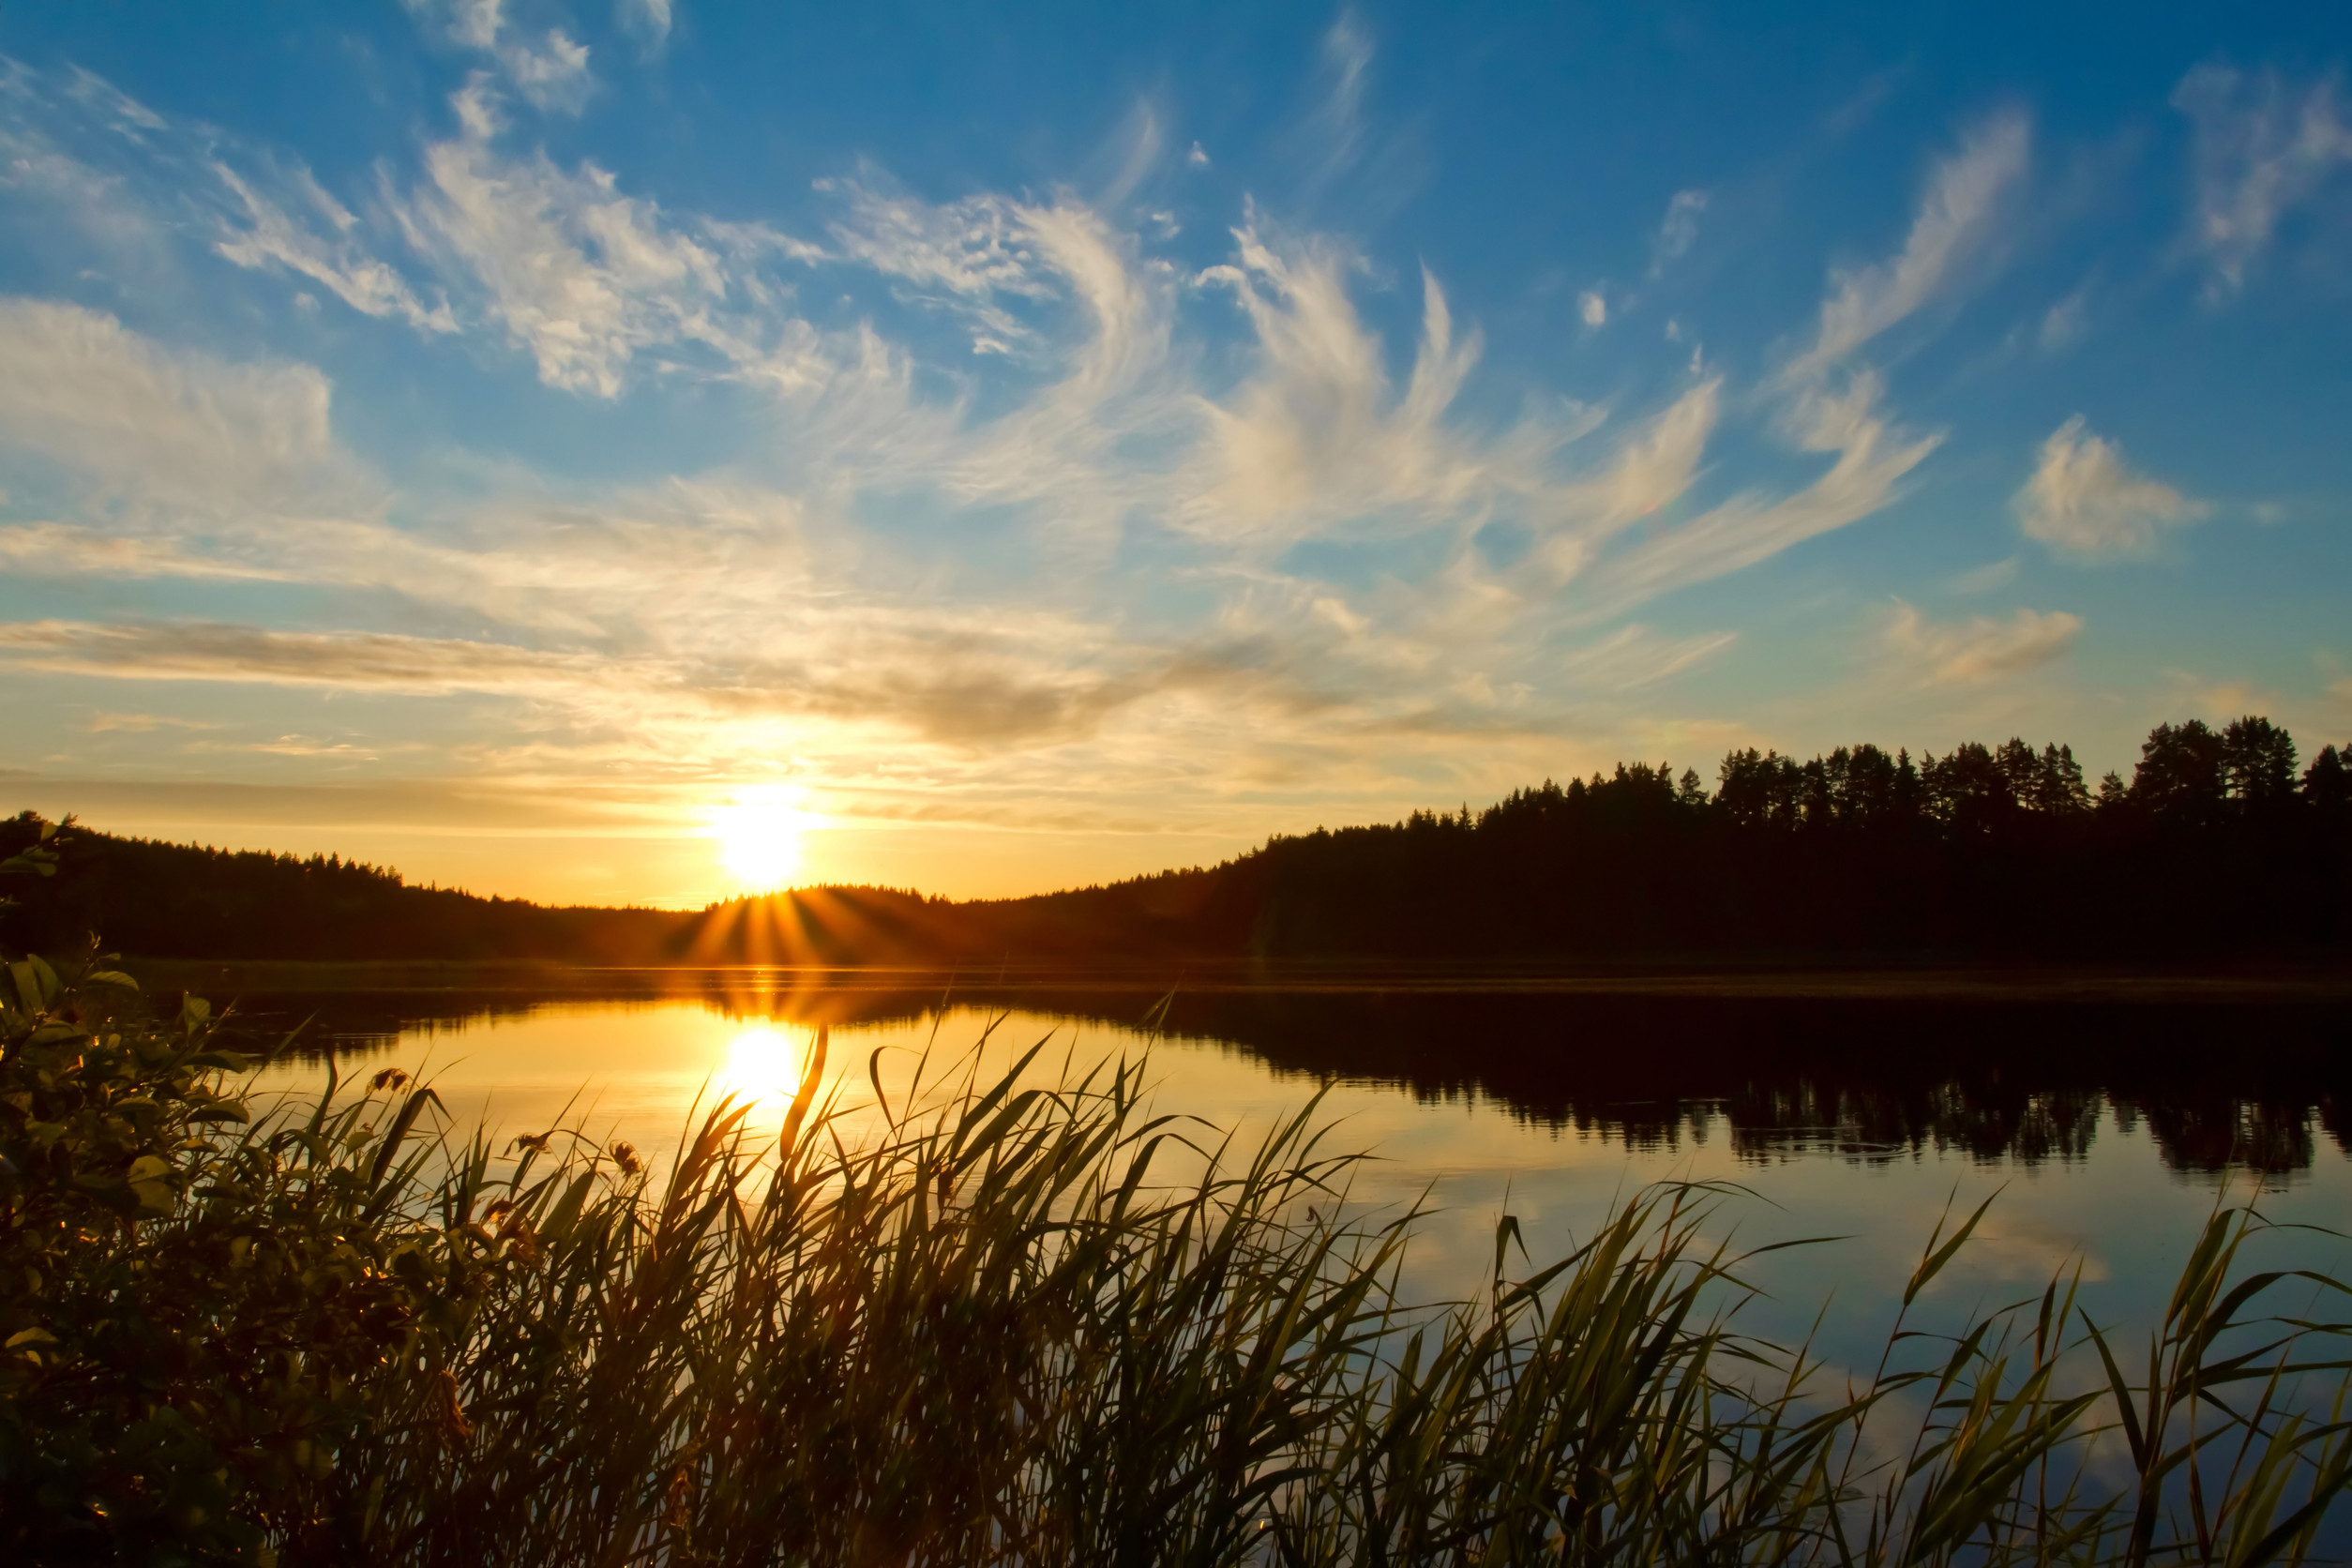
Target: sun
{"type": "Point", "coordinates": [760, 839]}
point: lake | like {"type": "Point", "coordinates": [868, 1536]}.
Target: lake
{"type": "Point", "coordinates": [2105, 1121]}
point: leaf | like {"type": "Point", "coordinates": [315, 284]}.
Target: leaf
{"type": "Point", "coordinates": [29, 989]}
{"type": "Point", "coordinates": [1934, 1263]}
{"type": "Point", "coordinates": [2122, 1392]}
{"type": "Point", "coordinates": [30, 1337]}
{"type": "Point", "coordinates": [397, 1133]}
{"type": "Point", "coordinates": [111, 978]}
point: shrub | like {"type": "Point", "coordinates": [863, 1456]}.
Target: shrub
{"type": "Point", "coordinates": [990, 1332]}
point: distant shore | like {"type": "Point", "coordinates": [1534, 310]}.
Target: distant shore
{"type": "Point", "coordinates": [2263, 983]}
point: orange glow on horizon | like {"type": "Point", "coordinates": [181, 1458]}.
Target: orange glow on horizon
{"type": "Point", "coordinates": [760, 837]}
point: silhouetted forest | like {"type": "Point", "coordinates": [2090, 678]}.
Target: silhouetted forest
{"type": "Point", "coordinates": [2221, 845]}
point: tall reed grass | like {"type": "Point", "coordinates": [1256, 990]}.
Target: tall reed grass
{"type": "Point", "coordinates": [997, 1327]}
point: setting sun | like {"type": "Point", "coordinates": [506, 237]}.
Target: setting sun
{"type": "Point", "coordinates": [760, 839]}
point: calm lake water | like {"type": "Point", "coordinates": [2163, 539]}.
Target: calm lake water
{"type": "Point", "coordinates": [2108, 1129]}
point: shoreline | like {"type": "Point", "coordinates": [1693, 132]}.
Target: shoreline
{"type": "Point", "coordinates": [2248, 984]}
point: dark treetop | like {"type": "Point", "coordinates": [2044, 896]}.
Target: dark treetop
{"type": "Point", "coordinates": [2218, 847]}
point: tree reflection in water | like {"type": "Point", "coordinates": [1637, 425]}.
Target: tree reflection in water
{"type": "Point", "coordinates": [2249, 1084]}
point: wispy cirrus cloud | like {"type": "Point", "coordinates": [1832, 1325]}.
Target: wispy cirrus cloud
{"type": "Point", "coordinates": [1316, 435]}
{"type": "Point", "coordinates": [84, 391]}
{"type": "Point", "coordinates": [1870, 459]}
{"type": "Point", "coordinates": [1678, 230]}
{"type": "Point", "coordinates": [971, 256]}
{"type": "Point", "coordinates": [1345, 68]}
{"type": "Point", "coordinates": [65, 551]}
{"type": "Point", "coordinates": [1232, 420]}
{"type": "Point", "coordinates": [1955, 222]}
{"type": "Point", "coordinates": [649, 20]}
{"type": "Point", "coordinates": [583, 276]}
{"type": "Point", "coordinates": [265, 234]}
{"type": "Point", "coordinates": [1635, 657]}
{"type": "Point", "coordinates": [549, 68]}
{"type": "Point", "coordinates": [1980, 648]}
{"type": "Point", "coordinates": [2084, 503]}
{"type": "Point", "coordinates": [244, 653]}
{"type": "Point", "coordinates": [139, 724]}
{"type": "Point", "coordinates": [1828, 405]}
{"type": "Point", "coordinates": [2265, 146]}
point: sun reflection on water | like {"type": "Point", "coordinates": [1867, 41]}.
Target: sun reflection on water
{"type": "Point", "coordinates": [763, 1066]}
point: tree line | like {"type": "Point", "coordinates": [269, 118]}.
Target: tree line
{"type": "Point", "coordinates": [2220, 844]}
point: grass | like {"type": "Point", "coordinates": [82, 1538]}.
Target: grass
{"type": "Point", "coordinates": [995, 1328]}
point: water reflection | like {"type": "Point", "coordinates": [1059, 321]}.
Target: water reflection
{"type": "Point", "coordinates": [2098, 1132]}
{"type": "Point", "coordinates": [1869, 1079]}
{"type": "Point", "coordinates": [763, 1068]}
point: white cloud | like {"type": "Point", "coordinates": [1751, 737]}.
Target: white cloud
{"type": "Point", "coordinates": [1826, 406]}
{"type": "Point", "coordinates": [1980, 648]}
{"type": "Point", "coordinates": [678, 629]}
{"type": "Point", "coordinates": [134, 182]}
{"type": "Point", "coordinates": [2063, 323]}
{"type": "Point", "coordinates": [91, 177]}
{"type": "Point", "coordinates": [648, 19]}
{"type": "Point", "coordinates": [1635, 657]}
{"type": "Point", "coordinates": [1060, 448]}
{"type": "Point", "coordinates": [1131, 155]}
{"type": "Point", "coordinates": [137, 724]}
{"type": "Point", "coordinates": [55, 550]}
{"type": "Point", "coordinates": [1981, 579]}
{"type": "Point", "coordinates": [1346, 63]}
{"type": "Point", "coordinates": [973, 257]}
{"type": "Point", "coordinates": [362, 661]}
{"type": "Point", "coordinates": [2262, 147]}
{"type": "Point", "coordinates": [1198, 157]}
{"type": "Point", "coordinates": [1678, 231]}
{"type": "Point", "coordinates": [549, 70]}
{"type": "Point", "coordinates": [930, 678]}
{"type": "Point", "coordinates": [1592, 308]}
{"type": "Point", "coordinates": [270, 235]}
{"type": "Point", "coordinates": [1316, 436]}
{"type": "Point", "coordinates": [2082, 502]}
{"type": "Point", "coordinates": [1872, 458]}
{"type": "Point", "coordinates": [1654, 466]}
{"type": "Point", "coordinates": [123, 115]}
{"type": "Point", "coordinates": [199, 469]}
{"type": "Point", "coordinates": [585, 277]}
{"type": "Point", "coordinates": [84, 391]}
{"type": "Point", "coordinates": [1954, 223]}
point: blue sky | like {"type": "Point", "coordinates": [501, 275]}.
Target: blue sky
{"type": "Point", "coordinates": [1013, 447]}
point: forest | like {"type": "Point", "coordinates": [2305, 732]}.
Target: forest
{"type": "Point", "coordinates": [2222, 845]}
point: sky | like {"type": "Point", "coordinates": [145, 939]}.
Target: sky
{"type": "Point", "coordinates": [643, 452]}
